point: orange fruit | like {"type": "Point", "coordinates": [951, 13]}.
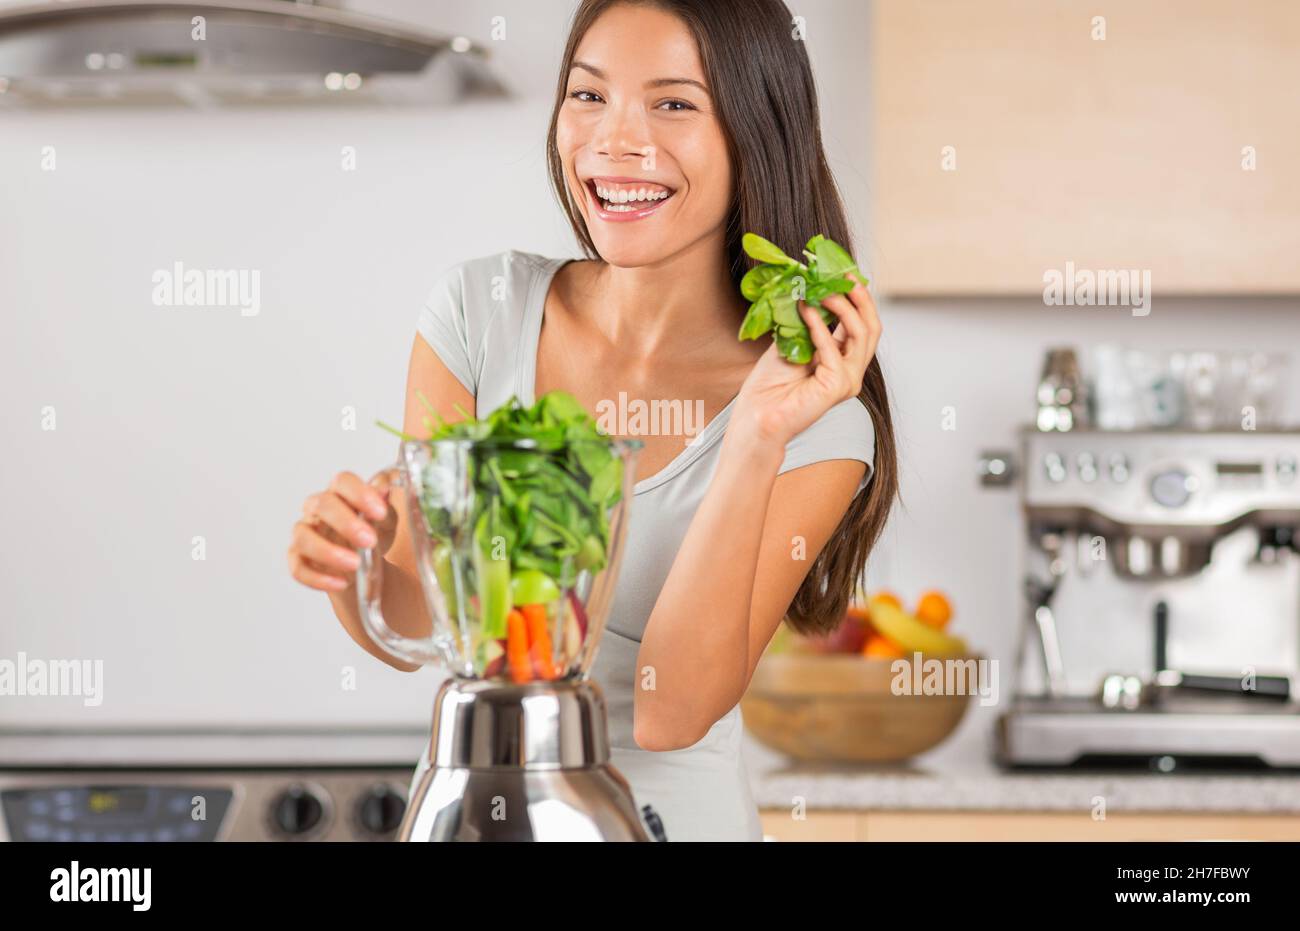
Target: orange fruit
{"type": "Point", "coordinates": [934, 609]}
{"type": "Point", "coordinates": [878, 647]}
{"type": "Point", "coordinates": [889, 596]}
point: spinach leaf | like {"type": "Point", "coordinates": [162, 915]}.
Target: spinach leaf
{"type": "Point", "coordinates": [757, 247]}
{"type": "Point", "coordinates": [757, 279]}
{"type": "Point", "coordinates": [776, 285]}
{"type": "Point", "coordinates": [547, 503]}
{"type": "Point", "coordinates": [832, 260]}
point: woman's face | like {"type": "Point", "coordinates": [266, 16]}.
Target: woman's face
{"type": "Point", "coordinates": [643, 151]}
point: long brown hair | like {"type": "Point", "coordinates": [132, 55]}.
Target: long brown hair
{"type": "Point", "coordinates": [763, 90]}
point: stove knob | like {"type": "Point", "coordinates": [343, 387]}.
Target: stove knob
{"type": "Point", "coordinates": [1054, 467]}
{"type": "Point", "coordinates": [1172, 488]}
{"type": "Point", "coordinates": [1118, 466]}
{"type": "Point", "coordinates": [297, 810]}
{"type": "Point", "coordinates": [1087, 467]}
{"type": "Point", "coordinates": [380, 810]}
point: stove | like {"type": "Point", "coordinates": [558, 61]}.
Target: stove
{"type": "Point", "coordinates": [219, 785]}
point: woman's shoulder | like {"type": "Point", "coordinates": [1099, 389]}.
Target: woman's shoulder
{"type": "Point", "coordinates": [475, 310]}
{"type": "Point", "coordinates": [843, 432]}
{"type": "Point", "coordinates": [500, 276]}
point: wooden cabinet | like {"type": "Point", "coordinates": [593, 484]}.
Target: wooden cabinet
{"type": "Point", "coordinates": [1024, 826]}
{"type": "Point", "coordinates": [1169, 145]}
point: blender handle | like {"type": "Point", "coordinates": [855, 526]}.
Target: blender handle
{"type": "Point", "coordinates": [370, 587]}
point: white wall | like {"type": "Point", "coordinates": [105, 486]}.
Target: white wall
{"type": "Point", "coordinates": [176, 423]}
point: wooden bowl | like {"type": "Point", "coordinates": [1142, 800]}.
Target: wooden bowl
{"type": "Point", "coordinates": [841, 708]}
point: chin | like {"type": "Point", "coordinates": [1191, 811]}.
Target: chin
{"type": "Point", "coordinates": [631, 251]}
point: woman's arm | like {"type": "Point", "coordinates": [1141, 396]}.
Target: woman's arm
{"type": "Point", "coordinates": [402, 599]}
{"type": "Point", "coordinates": [745, 555]}
{"type": "Point", "coordinates": [739, 565]}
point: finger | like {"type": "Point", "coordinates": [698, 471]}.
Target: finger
{"type": "Point", "coordinates": [309, 574]}
{"type": "Point", "coordinates": [866, 336]}
{"type": "Point", "coordinates": [304, 571]}
{"type": "Point", "coordinates": [329, 555]}
{"type": "Point", "coordinates": [851, 322]}
{"type": "Point", "coordinates": [828, 350]}
{"type": "Point", "coordinates": [393, 498]}
{"type": "Point", "coordinates": [861, 296]}
{"type": "Point", "coordinates": [364, 497]}
{"type": "Point", "coordinates": [311, 513]}
{"type": "Point", "coordinates": [337, 514]}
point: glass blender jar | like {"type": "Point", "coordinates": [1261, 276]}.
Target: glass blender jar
{"type": "Point", "coordinates": [517, 545]}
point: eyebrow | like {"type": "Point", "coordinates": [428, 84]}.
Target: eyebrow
{"type": "Point", "coordinates": [657, 82]}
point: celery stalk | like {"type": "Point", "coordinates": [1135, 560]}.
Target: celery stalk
{"type": "Point", "coordinates": [493, 577]}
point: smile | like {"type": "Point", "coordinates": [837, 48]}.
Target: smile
{"type": "Point", "coordinates": [622, 199]}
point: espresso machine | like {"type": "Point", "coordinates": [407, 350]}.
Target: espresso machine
{"type": "Point", "coordinates": [512, 757]}
{"type": "Point", "coordinates": [1162, 599]}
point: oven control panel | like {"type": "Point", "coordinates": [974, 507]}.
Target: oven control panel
{"type": "Point", "coordinates": [115, 813]}
{"type": "Point", "coordinates": [117, 806]}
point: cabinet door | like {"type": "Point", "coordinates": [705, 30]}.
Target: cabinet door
{"type": "Point", "coordinates": [1169, 145]}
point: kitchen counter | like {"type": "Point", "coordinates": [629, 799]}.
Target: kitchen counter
{"type": "Point", "coordinates": [957, 776]}
{"type": "Point", "coordinates": [961, 776]}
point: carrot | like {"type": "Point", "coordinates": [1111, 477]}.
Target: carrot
{"type": "Point", "coordinates": [521, 669]}
{"type": "Point", "coordinates": [539, 641]}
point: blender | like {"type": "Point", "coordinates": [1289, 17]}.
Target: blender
{"type": "Point", "coordinates": [517, 561]}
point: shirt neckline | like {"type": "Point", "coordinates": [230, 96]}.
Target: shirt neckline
{"type": "Point", "coordinates": [526, 380]}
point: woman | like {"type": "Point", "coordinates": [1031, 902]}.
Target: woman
{"type": "Point", "coordinates": [678, 125]}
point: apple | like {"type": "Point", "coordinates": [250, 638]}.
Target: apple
{"type": "Point", "coordinates": [849, 637]}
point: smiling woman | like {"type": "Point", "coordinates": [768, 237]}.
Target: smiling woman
{"type": "Point", "coordinates": [677, 125]}
{"type": "Point", "coordinates": [716, 101]}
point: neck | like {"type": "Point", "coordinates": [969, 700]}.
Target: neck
{"type": "Point", "coordinates": [677, 302]}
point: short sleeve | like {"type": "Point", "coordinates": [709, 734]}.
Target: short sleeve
{"type": "Point", "coordinates": [843, 432]}
{"type": "Point", "coordinates": [444, 326]}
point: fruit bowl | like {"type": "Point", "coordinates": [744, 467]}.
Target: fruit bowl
{"type": "Point", "coordinates": [841, 708]}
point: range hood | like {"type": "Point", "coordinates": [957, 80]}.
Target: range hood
{"type": "Point", "coordinates": [215, 52]}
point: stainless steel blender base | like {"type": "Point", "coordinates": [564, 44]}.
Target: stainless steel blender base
{"type": "Point", "coordinates": [521, 763]}
{"type": "Point", "coordinates": [591, 804]}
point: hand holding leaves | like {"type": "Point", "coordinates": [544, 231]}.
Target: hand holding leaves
{"type": "Point", "coordinates": [776, 286]}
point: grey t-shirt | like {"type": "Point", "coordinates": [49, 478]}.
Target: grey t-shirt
{"type": "Point", "coordinates": [483, 319]}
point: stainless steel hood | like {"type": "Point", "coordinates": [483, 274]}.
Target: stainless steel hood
{"type": "Point", "coordinates": [214, 52]}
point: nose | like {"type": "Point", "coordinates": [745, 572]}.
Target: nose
{"type": "Point", "coordinates": [623, 132]}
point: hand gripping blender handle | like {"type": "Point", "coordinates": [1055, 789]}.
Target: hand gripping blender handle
{"type": "Point", "coordinates": [370, 588]}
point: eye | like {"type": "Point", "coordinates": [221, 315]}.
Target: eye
{"type": "Point", "coordinates": [677, 106]}
{"type": "Point", "coordinates": [584, 96]}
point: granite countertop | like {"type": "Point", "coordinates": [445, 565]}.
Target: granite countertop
{"type": "Point", "coordinates": [960, 775]}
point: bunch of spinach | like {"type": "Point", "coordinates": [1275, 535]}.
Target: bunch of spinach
{"type": "Point", "coordinates": [776, 285]}
{"type": "Point", "coordinates": [544, 479]}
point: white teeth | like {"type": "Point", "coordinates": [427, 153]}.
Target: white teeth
{"type": "Point", "coordinates": [632, 195]}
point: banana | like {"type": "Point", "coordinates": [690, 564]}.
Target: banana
{"type": "Point", "coordinates": [910, 634]}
